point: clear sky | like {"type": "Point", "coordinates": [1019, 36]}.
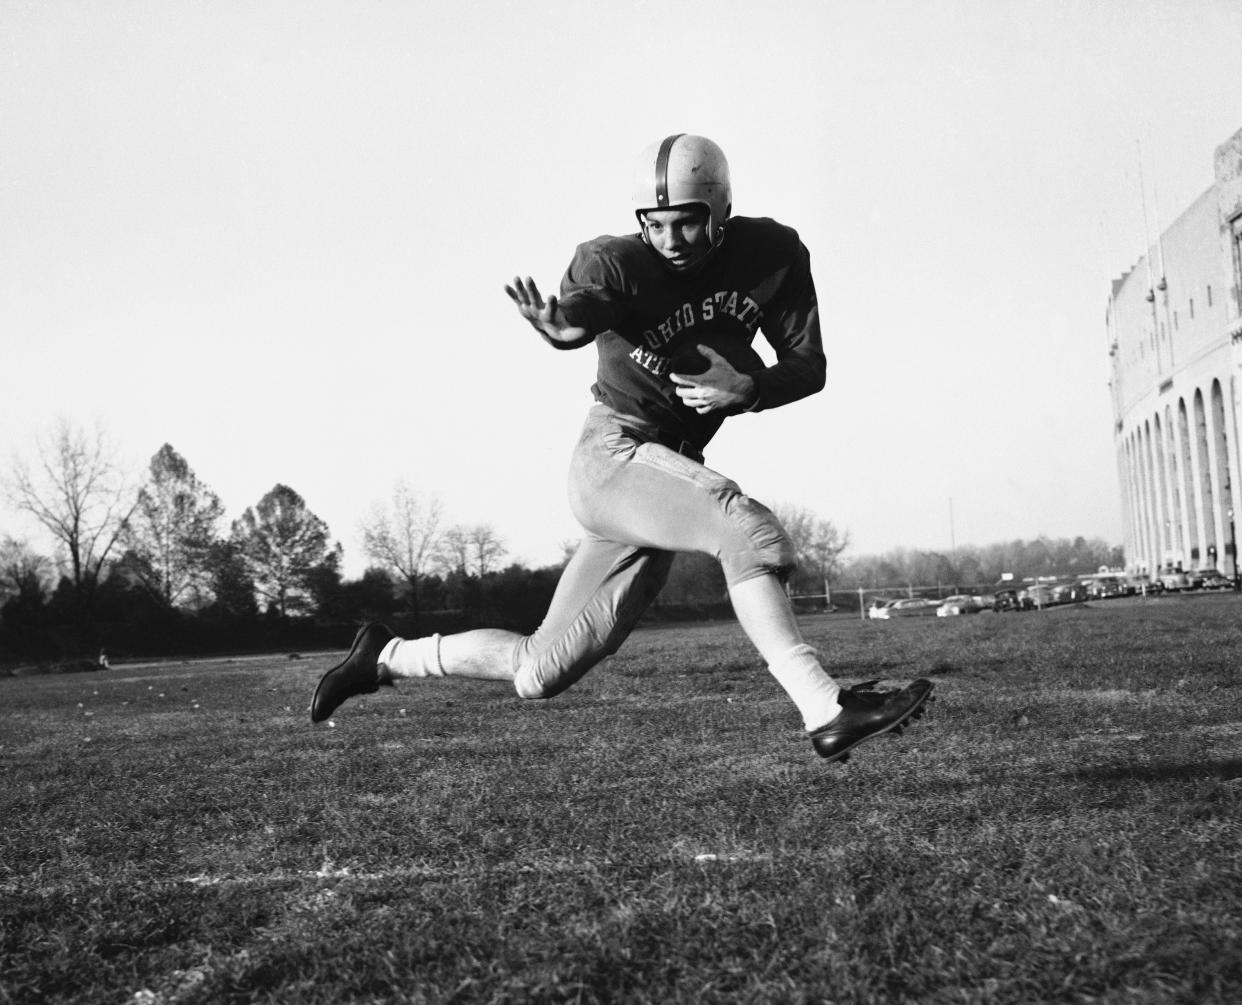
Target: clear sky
{"type": "Point", "coordinates": [276, 234]}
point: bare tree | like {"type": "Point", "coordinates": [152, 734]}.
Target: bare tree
{"type": "Point", "coordinates": [818, 543]}
{"type": "Point", "coordinates": [470, 550]}
{"type": "Point", "coordinates": [486, 548]}
{"type": "Point", "coordinates": [404, 536]}
{"type": "Point", "coordinates": [78, 492]}
{"type": "Point", "coordinates": [453, 553]}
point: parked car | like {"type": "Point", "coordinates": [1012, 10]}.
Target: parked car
{"type": "Point", "coordinates": [1171, 579]}
{"type": "Point", "coordinates": [1039, 595]}
{"type": "Point", "coordinates": [1100, 587]}
{"type": "Point", "coordinates": [915, 607]}
{"type": "Point", "coordinates": [1068, 593]}
{"type": "Point", "coordinates": [959, 603]}
{"type": "Point", "coordinates": [1012, 600]}
{"type": "Point", "coordinates": [1140, 582]}
{"type": "Point", "coordinates": [1213, 579]}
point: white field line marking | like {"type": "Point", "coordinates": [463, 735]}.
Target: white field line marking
{"type": "Point", "coordinates": [280, 658]}
{"type": "Point", "coordinates": [331, 873]}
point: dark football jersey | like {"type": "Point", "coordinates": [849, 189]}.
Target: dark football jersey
{"type": "Point", "coordinates": [641, 314]}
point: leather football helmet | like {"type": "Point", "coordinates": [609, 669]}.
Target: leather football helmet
{"type": "Point", "coordinates": [684, 170]}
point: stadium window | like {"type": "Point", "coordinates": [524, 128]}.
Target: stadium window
{"type": "Point", "coordinates": [1192, 308]}
{"type": "Point", "coordinates": [1175, 320]}
{"type": "Point", "coordinates": [1209, 296]}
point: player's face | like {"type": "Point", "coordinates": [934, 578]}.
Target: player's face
{"type": "Point", "coordinates": [679, 236]}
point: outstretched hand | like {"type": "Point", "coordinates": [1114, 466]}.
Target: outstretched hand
{"type": "Point", "coordinates": [719, 387]}
{"type": "Point", "coordinates": [546, 318]}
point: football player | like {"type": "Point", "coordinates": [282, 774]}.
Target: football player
{"type": "Point", "coordinates": [672, 311]}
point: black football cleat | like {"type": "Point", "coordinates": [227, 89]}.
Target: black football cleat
{"type": "Point", "coordinates": [866, 713]}
{"type": "Point", "coordinates": [357, 674]}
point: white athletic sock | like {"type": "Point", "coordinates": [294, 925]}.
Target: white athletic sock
{"type": "Point", "coordinates": [412, 657]}
{"type": "Point", "coordinates": [810, 687]}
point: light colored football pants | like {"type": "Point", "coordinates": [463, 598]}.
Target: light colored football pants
{"type": "Point", "coordinates": [639, 502]}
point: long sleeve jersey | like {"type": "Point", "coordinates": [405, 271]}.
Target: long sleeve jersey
{"type": "Point", "coordinates": [641, 314]}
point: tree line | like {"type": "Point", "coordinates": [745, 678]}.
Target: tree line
{"type": "Point", "coordinates": [152, 566]}
{"type": "Point", "coordinates": [981, 566]}
{"type": "Point", "coordinates": [158, 555]}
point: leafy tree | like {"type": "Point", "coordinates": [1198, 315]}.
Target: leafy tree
{"type": "Point", "coordinates": [405, 536]}
{"type": "Point", "coordinates": [517, 597]}
{"type": "Point", "coordinates": [25, 580]}
{"type": "Point", "coordinates": [23, 572]}
{"type": "Point", "coordinates": [970, 567]}
{"type": "Point", "coordinates": [370, 597]}
{"type": "Point", "coordinates": [323, 583]}
{"type": "Point", "coordinates": [78, 492]}
{"type": "Point", "coordinates": [172, 529]}
{"type": "Point", "coordinates": [284, 546]}
{"type": "Point", "coordinates": [230, 582]}
{"type": "Point", "coordinates": [455, 591]}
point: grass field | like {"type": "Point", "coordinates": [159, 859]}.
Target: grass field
{"type": "Point", "coordinates": [1063, 826]}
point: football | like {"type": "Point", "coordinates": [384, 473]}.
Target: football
{"type": "Point", "coordinates": [686, 358]}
